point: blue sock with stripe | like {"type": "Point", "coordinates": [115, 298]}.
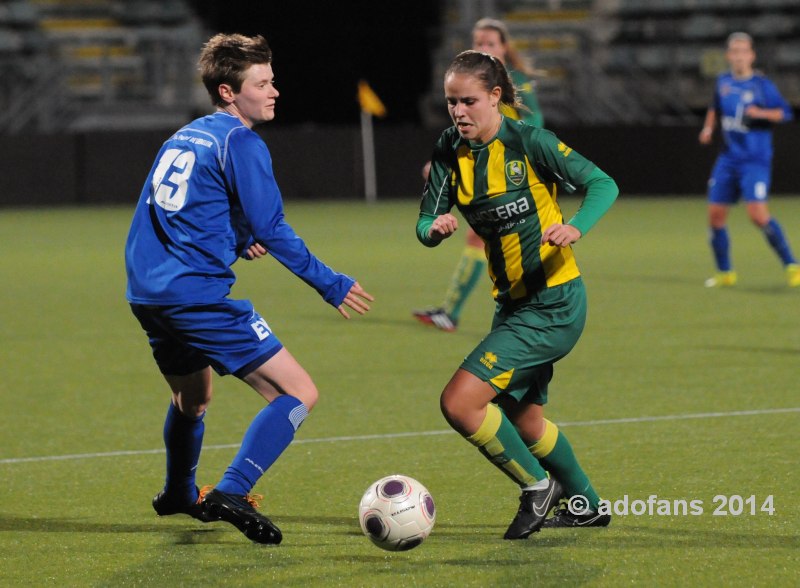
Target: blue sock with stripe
{"type": "Point", "coordinates": [268, 435]}
{"type": "Point", "coordinates": [721, 246]}
{"type": "Point", "coordinates": [183, 439]}
{"type": "Point", "coordinates": [777, 240]}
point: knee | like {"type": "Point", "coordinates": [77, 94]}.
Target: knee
{"type": "Point", "coordinates": [448, 404]}
{"type": "Point", "coordinates": [531, 428]}
{"type": "Point", "coordinates": [458, 413]}
{"type": "Point", "coordinates": [717, 218]}
{"type": "Point", "coordinates": [308, 396]}
{"type": "Point", "coordinates": [758, 213]}
{"type": "Point", "coordinates": [192, 410]}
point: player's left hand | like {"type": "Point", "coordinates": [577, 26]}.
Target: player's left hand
{"type": "Point", "coordinates": [356, 299]}
{"type": "Point", "coordinates": [256, 251]}
{"type": "Point", "coordinates": [754, 111]}
{"type": "Point", "coordinates": [770, 114]}
{"type": "Point", "coordinates": [560, 235]}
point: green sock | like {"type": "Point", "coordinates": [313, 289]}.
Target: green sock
{"type": "Point", "coordinates": [500, 443]}
{"type": "Point", "coordinates": [554, 452]}
{"type": "Point", "coordinates": [469, 270]}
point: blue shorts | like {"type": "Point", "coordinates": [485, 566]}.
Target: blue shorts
{"type": "Point", "coordinates": [230, 336]}
{"type": "Point", "coordinates": [731, 180]}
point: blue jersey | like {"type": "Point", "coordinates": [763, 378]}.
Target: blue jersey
{"type": "Point", "coordinates": [747, 139]}
{"type": "Point", "coordinates": [210, 195]}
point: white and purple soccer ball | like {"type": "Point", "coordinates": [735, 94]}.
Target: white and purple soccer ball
{"type": "Point", "coordinates": [397, 513]}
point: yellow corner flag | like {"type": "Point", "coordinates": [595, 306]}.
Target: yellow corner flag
{"type": "Point", "coordinates": [369, 101]}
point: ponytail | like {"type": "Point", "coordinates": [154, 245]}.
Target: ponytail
{"type": "Point", "coordinates": [489, 70]}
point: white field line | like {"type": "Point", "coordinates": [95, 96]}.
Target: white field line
{"type": "Point", "coordinates": [599, 422]}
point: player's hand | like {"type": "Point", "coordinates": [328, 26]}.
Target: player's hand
{"type": "Point", "coordinates": [426, 171]}
{"type": "Point", "coordinates": [443, 226]}
{"type": "Point", "coordinates": [754, 111]}
{"type": "Point", "coordinates": [560, 235]}
{"type": "Point", "coordinates": [705, 136]}
{"type": "Point", "coordinates": [356, 299]}
{"type": "Point", "coordinates": [256, 251]}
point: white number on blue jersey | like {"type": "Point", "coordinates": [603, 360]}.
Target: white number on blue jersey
{"type": "Point", "coordinates": [261, 328]}
{"type": "Point", "coordinates": [170, 194]}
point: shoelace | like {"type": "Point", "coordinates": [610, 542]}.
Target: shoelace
{"type": "Point", "coordinates": [252, 499]}
{"type": "Point", "coordinates": [203, 491]}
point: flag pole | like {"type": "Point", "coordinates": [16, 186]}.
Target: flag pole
{"type": "Point", "coordinates": [368, 150]}
{"type": "Point", "coordinates": [371, 106]}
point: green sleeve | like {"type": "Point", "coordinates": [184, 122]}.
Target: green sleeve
{"type": "Point", "coordinates": [572, 171]}
{"type": "Point", "coordinates": [601, 192]}
{"type": "Point", "coordinates": [436, 195]}
{"type": "Point", "coordinates": [424, 223]}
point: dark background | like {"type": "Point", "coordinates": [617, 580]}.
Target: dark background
{"type": "Point", "coordinates": [321, 50]}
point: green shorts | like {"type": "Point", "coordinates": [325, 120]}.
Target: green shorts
{"type": "Point", "coordinates": [527, 338]}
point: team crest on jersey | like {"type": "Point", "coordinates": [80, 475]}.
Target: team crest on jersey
{"type": "Point", "coordinates": [747, 96]}
{"type": "Point", "coordinates": [515, 172]}
{"type": "Point", "coordinates": [564, 149]}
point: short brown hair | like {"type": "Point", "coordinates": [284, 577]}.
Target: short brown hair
{"type": "Point", "coordinates": [225, 58]}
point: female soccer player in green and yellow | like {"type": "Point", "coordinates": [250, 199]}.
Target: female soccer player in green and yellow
{"type": "Point", "coordinates": [490, 36]}
{"type": "Point", "coordinates": [503, 176]}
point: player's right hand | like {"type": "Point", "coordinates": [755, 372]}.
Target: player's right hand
{"type": "Point", "coordinates": [443, 226]}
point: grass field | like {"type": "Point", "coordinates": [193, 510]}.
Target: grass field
{"type": "Point", "coordinates": [674, 391]}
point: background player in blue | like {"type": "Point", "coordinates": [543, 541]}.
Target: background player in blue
{"type": "Point", "coordinates": [746, 104]}
{"type": "Point", "coordinates": [210, 198]}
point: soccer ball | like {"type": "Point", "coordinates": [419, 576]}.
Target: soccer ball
{"type": "Point", "coordinates": [397, 513]}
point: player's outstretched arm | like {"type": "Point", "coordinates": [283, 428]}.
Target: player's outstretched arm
{"type": "Point", "coordinates": [708, 127]}
{"type": "Point", "coordinates": [356, 299]}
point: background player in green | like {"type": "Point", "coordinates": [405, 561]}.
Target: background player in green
{"type": "Point", "coordinates": [503, 175]}
{"type": "Point", "coordinates": [490, 36]}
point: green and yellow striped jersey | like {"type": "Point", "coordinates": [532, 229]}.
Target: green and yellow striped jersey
{"type": "Point", "coordinates": [506, 190]}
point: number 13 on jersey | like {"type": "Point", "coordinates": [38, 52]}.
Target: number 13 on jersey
{"type": "Point", "coordinates": [170, 191]}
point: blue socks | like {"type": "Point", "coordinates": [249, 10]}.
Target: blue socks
{"type": "Point", "coordinates": [777, 240]}
{"type": "Point", "coordinates": [720, 245]}
{"type": "Point", "coordinates": [183, 439]}
{"type": "Point", "coordinates": [268, 435]}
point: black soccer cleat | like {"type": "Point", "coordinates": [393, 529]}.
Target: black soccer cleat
{"type": "Point", "coordinates": [563, 518]}
{"type": "Point", "coordinates": [166, 505]}
{"type": "Point", "coordinates": [534, 505]}
{"type": "Point", "coordinates": [240, 512]}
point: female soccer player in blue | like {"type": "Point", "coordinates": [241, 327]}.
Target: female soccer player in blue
{"type": "Point", "coordinates": [209, 199]}
{"type": "Point", "coordinates": [746, 104]}
{"type": "Point", "coordinates": [503, 176]}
